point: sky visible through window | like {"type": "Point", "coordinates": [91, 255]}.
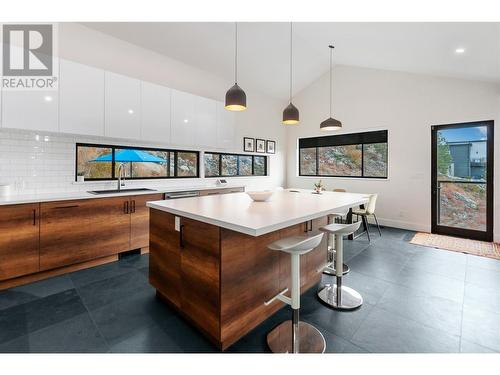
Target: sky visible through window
{"type": "Point", "coordinates": [476, 133]}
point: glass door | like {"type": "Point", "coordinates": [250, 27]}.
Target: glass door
{"type": "Point", "coordinates": [462, 180]}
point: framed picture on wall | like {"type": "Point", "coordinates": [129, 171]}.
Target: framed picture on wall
{"type": "Point", "coordinates": [248, 144]}
{"type": "Point", "coordinates": [261, 145]}
{"type": "Point", "coordinates": [271, 147]}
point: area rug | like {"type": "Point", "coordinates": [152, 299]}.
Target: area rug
{"type": "Point", "coordinates": [461, 245]}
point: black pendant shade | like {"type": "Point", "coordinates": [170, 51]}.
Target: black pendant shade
{"type": "Point", "coordinates": [330, 123]}
{"type": "Point", "coordinates": [236, 99]}
{"type": "Point", "coordinates": [290, 115]}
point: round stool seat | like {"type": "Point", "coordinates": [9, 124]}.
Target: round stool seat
{"type": "Point", "coordinates": [342, 229]}
{"type": "Point", "coordinates": [296, 244]}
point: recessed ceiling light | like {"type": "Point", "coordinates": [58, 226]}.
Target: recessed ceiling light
{"type": "Point", "coordinates": [186, 121]}
{"type": "Point", "coordinates": [460, 50]}
{"type": "Point", "coordinates": [131, 111]}
{"type": "Point", "coordinates": [48, 98]}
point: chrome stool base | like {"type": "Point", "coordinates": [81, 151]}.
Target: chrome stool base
{"type": "Point", "coordinates": [349, 298]}
{"type": "Point", "coordinates": [331, 272]}
{"type": "Point", "coordinates": [311, 340]}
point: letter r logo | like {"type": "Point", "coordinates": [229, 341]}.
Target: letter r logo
{"type": "Point", "coordinates": [27, 50]}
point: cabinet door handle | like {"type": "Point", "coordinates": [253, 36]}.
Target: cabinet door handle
{"type": "Point", "coordinates": [133, 206]}
{"type": "Point", "coordinates": [63, 207]}
{"type": "Point", "coordinates": [125, 207]}
{"type": "Point", "coordinates": [34, 216]}
{"type": "Point", "coordinates": [181, 236]}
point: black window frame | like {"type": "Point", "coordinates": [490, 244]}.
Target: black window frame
{"type": "Point", "coordinates": [113, 163]}
{"type": "Point", "coordinates": [237, 165]}
{"type": "Point", "coordinates": [361, 139]}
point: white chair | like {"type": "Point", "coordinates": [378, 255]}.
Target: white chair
{"type": "Point", "coordinates": [368, 211]}
{"type": "Point", "coordinates": [293, 336]}
{"type": "Point", "coordinates": [337, 295]}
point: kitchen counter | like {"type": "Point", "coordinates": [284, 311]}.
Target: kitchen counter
{"type": "Point", "coordinates": [240, 213]}
{"type": "Point", "coordinates": [63, 196]}
{"type": "Point", "coordinates": [209, 256]}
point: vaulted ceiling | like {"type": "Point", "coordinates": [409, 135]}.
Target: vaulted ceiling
{"type": "Point", "coordinates": [427, 48]}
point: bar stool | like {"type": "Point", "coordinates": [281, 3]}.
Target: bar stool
{"type": "Point", "coordinates": [293, 336]}
{"type": "Point", "coordinates": [337, 295]}
{"type": "Point", "coordinates": [330, 268]}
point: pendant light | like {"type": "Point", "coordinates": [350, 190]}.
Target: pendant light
{"type": "Point", "coordinates": [290, 113]}
{"type": "Point", "coordinates": [330, 123]}
{"type": "Point", "coordinates": [236, 99]}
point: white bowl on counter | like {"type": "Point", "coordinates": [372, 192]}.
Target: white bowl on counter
{"type": "Point", "coordinates": [260, 196]}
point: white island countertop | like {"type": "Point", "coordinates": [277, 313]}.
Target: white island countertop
{"type": "Point", "coordinates": [238, 212]}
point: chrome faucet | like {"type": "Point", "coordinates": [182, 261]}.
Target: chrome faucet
{"type": "Point", "coordinates": [121, 180]}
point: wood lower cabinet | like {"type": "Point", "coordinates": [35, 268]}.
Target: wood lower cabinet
{"type": "Point", "coordinates": [81, 230]}
{"type": "Point", "coordinates": [139, 219]}
{"type": "Point", "coordinates": [77, 231]}
{"type": "Point", "coordinates": [18, 240]}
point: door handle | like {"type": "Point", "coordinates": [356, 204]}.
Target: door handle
{"type": "Point", "coordinates": [125, 207]}
{"type": "Point", "coordinates": [34, 216]}
{"type": "Point", "coordinates": [133, 206]}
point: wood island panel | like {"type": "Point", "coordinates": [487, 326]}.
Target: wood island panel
{"type": "Point", "coordinates": [165, 256]}
{"type": "Point", "coordinates": [219, 279]}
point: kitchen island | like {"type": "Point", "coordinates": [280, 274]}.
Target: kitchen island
{"type": "Point", "coordinates": [209, 256]}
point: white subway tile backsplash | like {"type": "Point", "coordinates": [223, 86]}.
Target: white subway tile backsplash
{"type": "Point", "coordinates": [38, 162]}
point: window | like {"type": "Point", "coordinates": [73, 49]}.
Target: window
{"type": "Point", "coordinates": [233, 165]}
{"type": "Point", "coordinates": [102, 162]}
{"type": "Point", "coordinates": [345, 155]}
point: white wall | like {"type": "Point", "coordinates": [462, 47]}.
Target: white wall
{"type": "Point", "coordinates": [25, 162]}
{"type": "Point", "coordinates": [407, 105]}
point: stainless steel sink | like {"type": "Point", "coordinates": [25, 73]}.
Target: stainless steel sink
{"type": "Point", "coordinates": [121, 191]}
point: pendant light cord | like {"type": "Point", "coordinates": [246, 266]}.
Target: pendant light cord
{"type": "Point", "coordinates": [236, 52]}
{"type": "Point", "coordinates": [331, 53]}
{"type": "Point", "coordinates": [291, 46]}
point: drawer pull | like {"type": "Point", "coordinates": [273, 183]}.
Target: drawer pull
{"type": "Point", "coordinates": [62, 207]}
{"type": "Point", "coordinates": [34, 216]}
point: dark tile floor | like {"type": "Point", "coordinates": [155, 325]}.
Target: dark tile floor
{"type": "Point", "coordinates": [417, 299]}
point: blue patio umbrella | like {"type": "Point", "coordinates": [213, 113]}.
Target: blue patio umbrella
{"type": "Point", "coordinates": [130, 156]}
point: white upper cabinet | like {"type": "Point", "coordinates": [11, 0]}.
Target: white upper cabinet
{"type": "Point", "coordinates": [81, 103]}
{"type": "Point", "coordinates": [122, 106]}
{"type": "Point", "coordinates": [30, 109]}
{"type": "Point", "coordinates": [206, 122]}
{"type": "Point", "coordinates": [183, 131]}
{"type": "Point", "coordinates": [226, 123]}
{"type": "Point", "coordinates": [155, 112]}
